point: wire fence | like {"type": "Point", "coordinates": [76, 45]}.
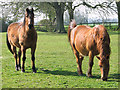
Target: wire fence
{"type": "Point", "coordinates": [108, 25]}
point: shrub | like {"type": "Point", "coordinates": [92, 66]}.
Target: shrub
{"type": "Point", "coordinates": [46, 25]}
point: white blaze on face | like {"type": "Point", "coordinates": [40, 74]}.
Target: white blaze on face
{"type": "Point", "coordinates": [28, 21]}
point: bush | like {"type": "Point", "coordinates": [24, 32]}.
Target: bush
{"type": "Point", "coordinates": [44, 22]}
{"type": "Point", "coordinates": [4, 24]}
{"type": "Point", "coordinates": [46, 25]}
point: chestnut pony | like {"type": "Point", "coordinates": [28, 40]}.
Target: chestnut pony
{"type": "Point", "coordinates": [23, 36]}
{"type": "Point", "coordinates": [87, 41]}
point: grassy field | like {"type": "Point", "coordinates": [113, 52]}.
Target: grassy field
{"type": "Point", "coordinates": [56, 66]}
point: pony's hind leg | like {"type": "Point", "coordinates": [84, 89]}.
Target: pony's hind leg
{"type": "Point", "coordinates": [33, 59]}
{"type": "Point", "coordinates": [79, 59]}
{"type": "Point", "coordinates": [91, 57]}
{"type": "Point", "coordinates": [15, 56]}
{"type": "Point", "coordinates": [19, 59]}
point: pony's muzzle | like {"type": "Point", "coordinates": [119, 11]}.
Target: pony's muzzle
{"type": "Point", "coordinates": [30, 26]}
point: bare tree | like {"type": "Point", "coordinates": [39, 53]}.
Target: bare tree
{"type": "Point", "coordinates": [118, 9]}
{"type": "Point", "coordinates": [59, 9]}
{"type": "Point", "coordinates": [106, 7]}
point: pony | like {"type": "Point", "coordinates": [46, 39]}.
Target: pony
{"type": "Point", "coordinates": [23, 36]}
{"type": "Point", "coordinates": [87, 41]}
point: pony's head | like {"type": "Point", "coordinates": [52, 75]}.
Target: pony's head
{"type": "Point", "coordinates": [29, 18]}
{"type": "Point", "coordinates": [104, 44]}
{"type": "Point", "coordinates": [104, 66]}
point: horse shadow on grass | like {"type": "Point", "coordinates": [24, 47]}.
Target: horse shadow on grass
{"type": "Point", "coordinates": [66, 73]}
{"type": "Point", "coordinates": [115, 77]}
{"type": "Point", "coordinates": [60, 72]}
{"type": "Point", "coordinates": [111, 78]}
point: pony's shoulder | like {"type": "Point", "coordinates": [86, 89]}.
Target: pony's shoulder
{"type": "Point", "coordinates": [14, 25]}
{"type": "Point", "coordinates": [99, 27]}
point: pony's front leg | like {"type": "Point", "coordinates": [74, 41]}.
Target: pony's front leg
{"type": "Point", "coordinates": [23, 59]}
{"type": "Point", "coordinates": [19, 57]}
{"type": "Point", "coordinates": [33, 59]}
{"type": "Point", "coordinates": [91, 57]}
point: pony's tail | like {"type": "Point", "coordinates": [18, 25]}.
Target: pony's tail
{"type": "Point", "coordinates": [71, 26]}
{"type": "Point", "coordinates": [8, 44]}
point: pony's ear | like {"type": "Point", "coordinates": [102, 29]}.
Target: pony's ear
{"type": "Point", "coordinates": [27, 9]}
{"type": "Point", "coordinates": [98, 57]}
{"type": "Point", "coordinates": [32, 9]}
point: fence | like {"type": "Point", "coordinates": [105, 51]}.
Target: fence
{"type": "Point", "coordinates": [45, 28]}
{"type": "Point", "coordinates": [109, 25]}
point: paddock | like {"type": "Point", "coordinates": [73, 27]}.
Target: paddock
{"type": "Point", "coordinates": [56, 65]}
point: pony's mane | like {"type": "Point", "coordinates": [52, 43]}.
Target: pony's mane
{"type": "Point", "coordinates": [24, 21]}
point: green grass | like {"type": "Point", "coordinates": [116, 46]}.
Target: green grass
{"type": "Point", "coordinates": [56, 66]}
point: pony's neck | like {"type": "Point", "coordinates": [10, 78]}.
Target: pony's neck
{"type": "Point", "coordinates": [101, 52]}
{"type": "Point", "coordinates": [105, 50]}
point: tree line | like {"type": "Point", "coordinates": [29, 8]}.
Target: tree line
{"type": "Point", "coordinates": [55, 10]}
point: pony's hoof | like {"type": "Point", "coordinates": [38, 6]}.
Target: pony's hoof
{"type": "Point", "coordinates": [105, 79]}
{"type": "Point", "coordinates": [22, 70]}
{"type": "Point", "coordinates": [17, 69]}
{"type": "Point", "coordinates": [34, 71]}
{"type": "Point", "coordinates": [80, 74]}
{"type": "Point", "coordinates": [89, 75]}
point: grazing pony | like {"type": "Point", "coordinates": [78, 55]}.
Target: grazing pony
{"type": "Point", "coordinates": [87, 41]}
{"type": "Point", "coordinates": [23, 36]}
